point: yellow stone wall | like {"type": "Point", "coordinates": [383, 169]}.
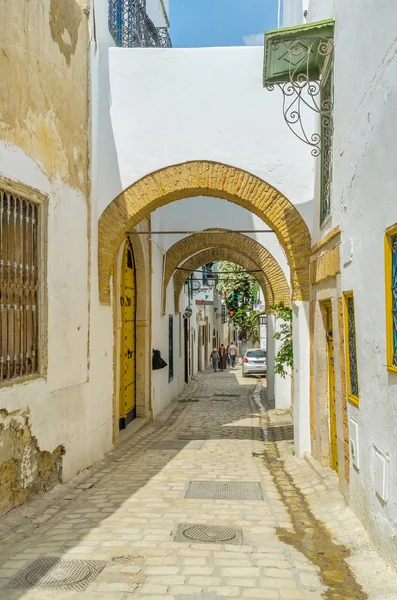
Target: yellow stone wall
{"type": "Point", "coordinates": [325, 267]}
{"type": "Point", "coordinates": [205, 178]}
{"type": "Point", "coordinates": [247, 247]}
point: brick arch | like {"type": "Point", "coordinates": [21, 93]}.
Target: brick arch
{"type": "Point", "coordinates": [229, 240]}
{"type": "Point", "coordinates": [205, 178]}
{"type": "Point", "coordinates": [216, 254]}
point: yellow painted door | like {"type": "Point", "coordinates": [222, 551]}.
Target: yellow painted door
{"type": "Point", "coordinates": [127, 407]}
{"type": "Point", "coordinates": [331, 390]}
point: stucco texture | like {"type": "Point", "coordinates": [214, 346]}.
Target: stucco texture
{"type": "Point", "coordinates": [44, 88]}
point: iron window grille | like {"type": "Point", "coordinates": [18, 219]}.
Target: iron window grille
{"type": "Point", "coordinates": [20, 286]}
{"type": "Point", "coordinates": [131, 27]}
{"type": "Point", "coordinates": [351, 349]}
{"type": "Point", "coordinates": [326, 141]}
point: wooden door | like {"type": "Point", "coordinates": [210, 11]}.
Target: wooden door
{"type": "Point", "coordinates": [127, 405]}
{"type": "Point", "coordinates": [331, 390]}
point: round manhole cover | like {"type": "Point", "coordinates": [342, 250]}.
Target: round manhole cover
{"type": "Point", "coordinates": [204, 533]}
{"type": "Point", "coordinates": [57, 575]}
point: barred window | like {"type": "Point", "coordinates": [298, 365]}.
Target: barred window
{"type": "Point", "coordinates": [326, 144]}
{"type": "Point", "coordinates": [19, 286]}
{"type": "Point", "coordinates": [351, 349]}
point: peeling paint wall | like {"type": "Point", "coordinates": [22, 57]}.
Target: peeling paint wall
{"type": "Point", "coordinates": [25, 470]}
{"type": "Point", "coordinates": [44, 84]}
{"type": "Point", "coordinates": [44, 125]}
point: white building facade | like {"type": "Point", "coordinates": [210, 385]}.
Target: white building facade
{"type": "Point", "coordinates": [354, 279]}
{"type": "Point", "coordinates": [164, 169]}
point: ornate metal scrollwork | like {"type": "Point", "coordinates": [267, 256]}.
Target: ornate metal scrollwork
{"type": "Point", "coordinates": [352, 347]}
{"type": "Point", "coordinates": [302, 92]}
{"type": "Point", "coordinates": [131, 27]}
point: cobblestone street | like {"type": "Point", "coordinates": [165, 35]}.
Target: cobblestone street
{"type": "Point", "coordinates": [129, 513]}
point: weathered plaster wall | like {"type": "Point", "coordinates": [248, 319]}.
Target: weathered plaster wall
{"type": "Point", "coordinates": [24, 469]}
{"type": "Point", "coordinates": [44, 91]}
{"type": "Point", "coordinates": [44, 131]}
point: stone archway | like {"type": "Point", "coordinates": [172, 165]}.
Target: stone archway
{"type": "Point", "coordinates": [229, 241]}
{"type": "Point", "coordinates": [205, 178]}
{"type": "Point", "coordinates": [215, 254]}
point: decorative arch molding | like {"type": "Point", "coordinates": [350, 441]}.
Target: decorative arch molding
{"type": "Point", "coordinates": [215, 254]}
{"type": "Point", "coordinates": [228, 240]}
{"type": "Point", "coordinates": [205, 178]}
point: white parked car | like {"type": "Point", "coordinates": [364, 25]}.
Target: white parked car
{"type": "Point", "coordinates": [254, 361]}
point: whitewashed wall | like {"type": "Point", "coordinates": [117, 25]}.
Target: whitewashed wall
{"type": "Point", "coordinates": [195, 118]}
{"type": "Point", "coordinates": [72, 405]}
{"type": "Point", "coordinates": [163, 390]}
{"type": "Point", "coordinates": [365, 189]}
{"type": "Point", "coordinates": [293, 11]}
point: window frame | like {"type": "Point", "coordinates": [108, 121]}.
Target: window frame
{"type": "Point", "coordinates": [328, 74]}
{"type": "Point", "coordinates": [33, 195]}
{"type": "Point", "coordinates": [391, 231]}
{"type": "Point", "coordinates": [353, 399]}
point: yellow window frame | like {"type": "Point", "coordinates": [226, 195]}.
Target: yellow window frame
{"type": "Point", "coordinates": [351, 397]}
{"type": "Point", "coordinates": [389, 299]}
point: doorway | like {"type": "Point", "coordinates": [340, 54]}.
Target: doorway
{"type": "Point", "coordinates": [331, 388]}
{"type": "Point", "coordinates": [186, 348]}
{"type": "Point", "coordinates": [127, 391]}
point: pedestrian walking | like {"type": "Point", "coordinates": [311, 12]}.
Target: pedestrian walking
{"type": "Point", "coordinates": [233, 354]}
{"type": "Point", "coordinates": [215, 359]}
{"type": "Point", "coordinates": [227, 354]}
{"type": "Point", "coordinates": [222, 357]}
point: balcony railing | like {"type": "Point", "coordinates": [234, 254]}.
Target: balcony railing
{"type": "Point", "coordinates": [131, 27]}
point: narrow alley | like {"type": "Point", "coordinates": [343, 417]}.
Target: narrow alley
{"type": "Point", "coordinates": [201, 503]}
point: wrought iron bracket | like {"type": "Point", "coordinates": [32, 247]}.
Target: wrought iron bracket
{"type": "Point", "coordinates": [302, 86]}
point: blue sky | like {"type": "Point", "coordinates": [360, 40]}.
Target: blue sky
{"type": "Point", "coordinates": [197, 23]}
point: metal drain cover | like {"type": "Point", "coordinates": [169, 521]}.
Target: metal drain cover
{"type": "Point", "coordinates": [208, 534]}
{"type": "Point", "coordinates": [177, 445]}
{"type": "Point", "coordinates": [215, 490]}
{"type": "Point", "coordinates": [54, 574]}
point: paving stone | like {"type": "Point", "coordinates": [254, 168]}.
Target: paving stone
{"type": "Point", "coordinates": [129, 513]}
{"type": "Point", "coordinates": [179, 590]}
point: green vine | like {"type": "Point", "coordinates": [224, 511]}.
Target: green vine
{"type": "Point", "coordinates": [237, 287]}
{"type": "Point", "coordinates": [284, 357]}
